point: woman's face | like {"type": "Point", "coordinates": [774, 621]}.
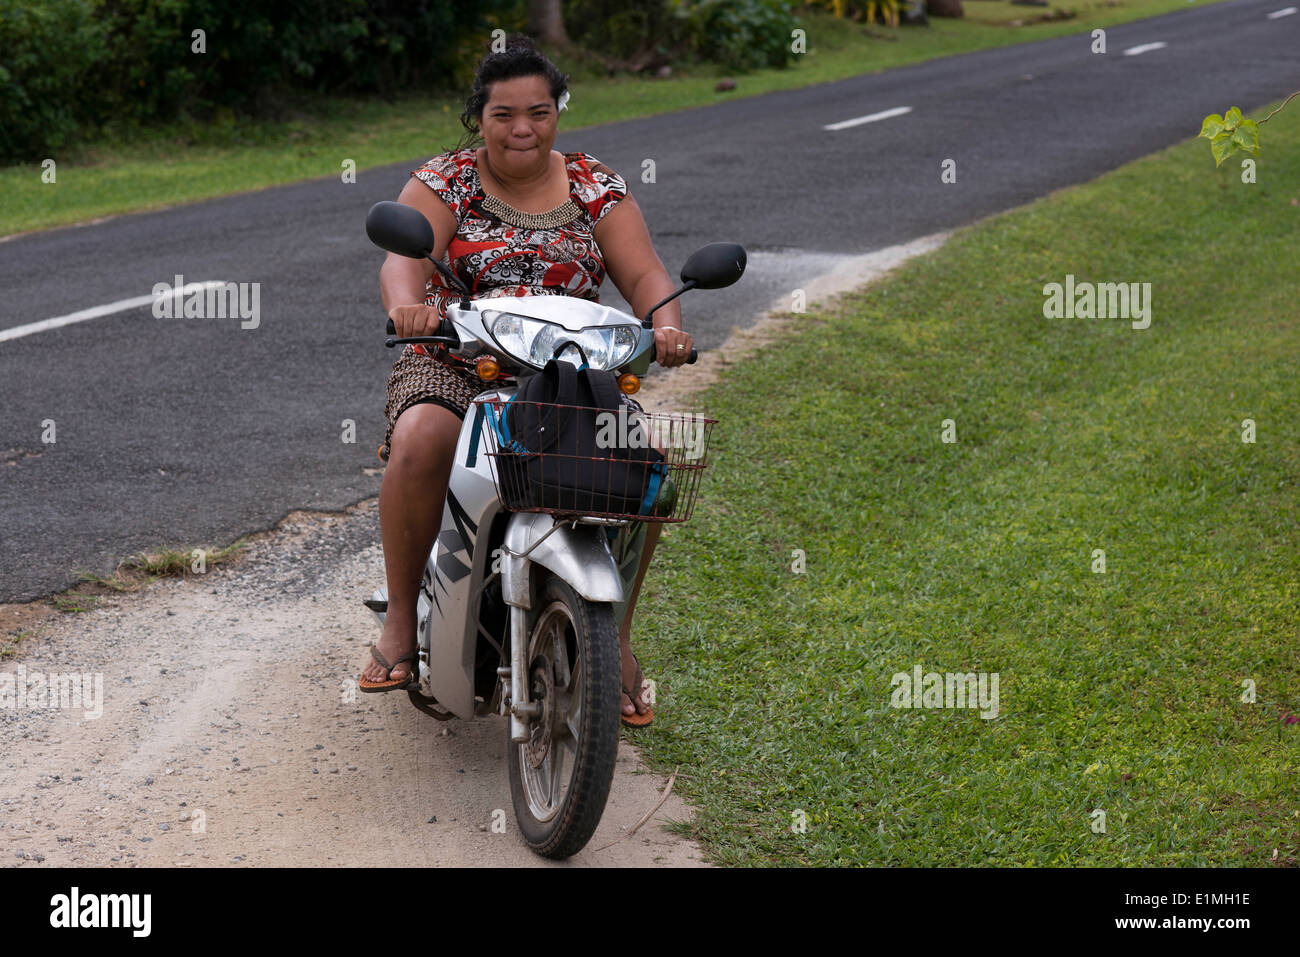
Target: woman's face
{"type": "Point", "coordinates": [518, 125]}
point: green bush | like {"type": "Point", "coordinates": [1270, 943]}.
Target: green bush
{"type": "Point", "coordinates": [623, 31]}
{"type": "Point", "coordinates": [739, 34]}
{"type": "Point", "coordinates": [256, 50]}
{"type": "Point", "coordinates": [48, 51]}
{"type": "Point", "coordinates": [67, 66]}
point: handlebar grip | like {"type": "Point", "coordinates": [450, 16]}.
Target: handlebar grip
{"type": "Point", "coordinates": [444, 328]}
{"type": "Point", "coordinates": [695, 354]}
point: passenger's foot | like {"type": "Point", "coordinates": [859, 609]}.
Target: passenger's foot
{"type": "Point", "coordinates": [393, 658]}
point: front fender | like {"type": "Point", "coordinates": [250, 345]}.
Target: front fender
{"type": "Point", "coordinates": [579, 555]}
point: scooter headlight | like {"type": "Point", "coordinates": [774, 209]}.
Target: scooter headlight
{"type": "Point", "coordinates": [534, 341]}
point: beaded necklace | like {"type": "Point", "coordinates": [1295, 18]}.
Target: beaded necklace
{"type": "Point", "coordinates": [561, 215]}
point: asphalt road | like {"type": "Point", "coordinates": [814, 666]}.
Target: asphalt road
{"type": "Point", "coordinates": [172, 431]}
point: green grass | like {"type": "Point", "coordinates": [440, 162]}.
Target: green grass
{"type": "Point", "coordinates": [139, 570]}
{"type": "Point", "coordinates": [130, 170]}
{"type": "Point", "coordinates": [1119, 691]}
{"type": "Point", "coordinates": [177, 563]}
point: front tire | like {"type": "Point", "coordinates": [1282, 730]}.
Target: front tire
{"type": "Point", "coordinates": [560, 777]}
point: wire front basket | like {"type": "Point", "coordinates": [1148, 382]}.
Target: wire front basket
{"type": "Point", "coordinates": [580, 460]}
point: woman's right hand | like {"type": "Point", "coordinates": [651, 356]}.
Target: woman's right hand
{"type": "Point", "coordinates": [415, 320]}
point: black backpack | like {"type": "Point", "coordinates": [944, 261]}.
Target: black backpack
{"type": "Point", "coordinates": [548, 454]}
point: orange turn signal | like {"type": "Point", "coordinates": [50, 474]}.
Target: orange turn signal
{"type": "Point", "coordinates": [628, 383]}
{"type": "Point", "coordinates": [487, 368]}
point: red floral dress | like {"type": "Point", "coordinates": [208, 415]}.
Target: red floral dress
{"type": "Point", "coordinates": [501, 251]}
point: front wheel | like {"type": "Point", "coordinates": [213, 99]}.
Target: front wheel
{"type": "Point", "coordinates": [560, 777]}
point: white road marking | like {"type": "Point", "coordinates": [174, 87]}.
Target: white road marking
{"type": "Point", "coordinates": [1279, 14]}
{"type": "Point", "coordinates": [858, 121]}
{"type": "Point", "coordinates": [95, 312]}
{"type": "Point", "coordinates": [1145, 48]}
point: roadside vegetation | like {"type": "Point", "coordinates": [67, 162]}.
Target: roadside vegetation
{"type": "Point", "coordinates": [1162, 691]}
{"type": "Point", "coordinates": [144, 568]}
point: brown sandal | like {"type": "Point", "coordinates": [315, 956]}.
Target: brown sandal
{"type": "Point", "coordinates": [635, 720]}
{"type": "Point", "coordinates": [392, 684]}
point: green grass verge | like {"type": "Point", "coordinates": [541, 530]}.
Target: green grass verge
{"type": "Point", "coordinates": [143, 569]}
{"type": "Point", "coordinates": [131, 170]}
{"type": "Point", "coordinates": [1119, 691]}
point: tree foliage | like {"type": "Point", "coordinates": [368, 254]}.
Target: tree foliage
{"type": "Point", "coordinates": [67, 64]}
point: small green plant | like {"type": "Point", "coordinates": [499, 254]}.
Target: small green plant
{"type": "Point", "coordinates": [143, 568]}
{"type": "Point", "coordinates": [113, 584]}
{"type": "Point", "coordinates": [74, 602]}
{"type": "Point", "coordinates": [177, 563]}
{"type": "Point", "coordinates": [1233, 132]}
{"type": "Point", "coordinates": [9, 648]}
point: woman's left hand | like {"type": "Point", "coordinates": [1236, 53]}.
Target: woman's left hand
{"type": "Point", "coordinates": [672, 346]}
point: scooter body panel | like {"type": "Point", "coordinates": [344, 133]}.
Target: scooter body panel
{"type": "Point", "coordinates": [458, 564]}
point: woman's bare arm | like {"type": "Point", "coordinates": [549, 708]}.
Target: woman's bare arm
{"type": "Point", "coordinates": [640, 276]}
{"type": "Point", "coordinates": [402, 279]}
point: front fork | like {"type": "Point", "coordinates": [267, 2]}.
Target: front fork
{"type": "Point", "coordinates": [603, 569]}
{"type": "Point", "coordinates": [522, 711]}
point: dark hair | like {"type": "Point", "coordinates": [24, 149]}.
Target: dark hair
{"type": "Point", "coordinates": [520, 58]}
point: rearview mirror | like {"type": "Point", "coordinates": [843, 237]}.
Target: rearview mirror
{"type": "Point", "coordinates": [399, 229]}
{"type": "Point", "coordinates": [715, 265]}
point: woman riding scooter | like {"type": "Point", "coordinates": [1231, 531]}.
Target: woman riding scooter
{"type": "Point", "coordinates": [513, 218]}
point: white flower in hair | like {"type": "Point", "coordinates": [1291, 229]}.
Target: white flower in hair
{"type": "Point", "coordinates": [563, 101]}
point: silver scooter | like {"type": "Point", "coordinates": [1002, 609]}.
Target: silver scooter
{"type": "Point", "coordinates": [519, 611]}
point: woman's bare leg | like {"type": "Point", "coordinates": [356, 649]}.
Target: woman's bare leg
{"type": "Point", "coordinates": [410, 512]}
{"type": "Point", "coordinates": [625, 635]}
